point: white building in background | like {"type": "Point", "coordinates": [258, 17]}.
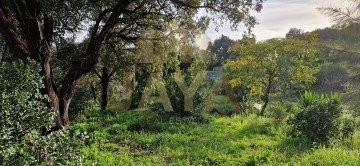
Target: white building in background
{"type": "Point", "coordinates": [215, 74]}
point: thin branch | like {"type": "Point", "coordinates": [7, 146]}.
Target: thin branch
{"type": "Point", "coordinates": [94, 70]}
{"type": "Point", "coordinates": [181, 3]}
{"type": "Point", "coordinates": [124, 37]}
{"type": "Point", "coordinates": [113, 72]}
{"type": "Point", "coordinates": [8, 31]}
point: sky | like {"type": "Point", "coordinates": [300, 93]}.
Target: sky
{"type": "Point", "coordinates": [275, 20]}
{"type": "Point", "coordinates": [278, 16]}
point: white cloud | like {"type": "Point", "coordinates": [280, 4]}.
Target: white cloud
{"type": "Point", "coordinates": [278, 16]}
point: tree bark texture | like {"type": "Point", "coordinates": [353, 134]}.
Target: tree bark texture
{"type": "Point", "coordinates": [31, 38]}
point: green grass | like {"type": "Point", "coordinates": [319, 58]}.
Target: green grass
{"type": "Point", "coordinates": [146, 138]}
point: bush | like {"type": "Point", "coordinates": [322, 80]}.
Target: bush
{"type": "Point", "coordinates": [347, 127]}
{"type": "Point", "coordinates": [318, 118]}
{"type": "Point", "coordinates": [23, 112]}
{"type": "Point", "coordinates": [279, 112]}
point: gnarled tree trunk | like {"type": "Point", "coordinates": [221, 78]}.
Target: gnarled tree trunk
{"type": "Point", "coordinates": [34, 42]}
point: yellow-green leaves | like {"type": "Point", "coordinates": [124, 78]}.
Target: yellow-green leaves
{"type": "Point", "coordinates": [276, 61]}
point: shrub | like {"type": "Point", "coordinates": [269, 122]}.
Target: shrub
{"type": "Point", "coordinates": [347, 127]}
{"type": "Point", "coordinates": [279, 112]}
{"type": "Point", "coordinates": [21, 104]}
{"type": "Point", "coordinates": [23, 112]}
{"type": "Point", "coordinates": [318, 118]}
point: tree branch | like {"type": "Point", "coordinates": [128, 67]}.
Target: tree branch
{"type": "Point", "coordinates": [48, 28]}
{"type": "Point", "coordinates": [181, 3]}
{"type": "Point", "coordinates": [7, 28]}
{"type": "Point", "coordinates": [98, 21]}
{"type": "Point", "coordinates": [94, 70]}
{"type": "Point", "coordinates": [113, 72]}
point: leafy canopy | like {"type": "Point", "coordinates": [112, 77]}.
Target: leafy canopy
{"type": "Point", "coordinates": [263, 64]}
{"type": "Point", "coordinates": [220, 48]}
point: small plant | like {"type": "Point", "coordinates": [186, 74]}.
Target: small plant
{"type": "Point", "coordinates": [347, 127]}
{"type": "Point", "coordinates": [318, 118]}
{"type": "Point", "coordinates": [279, 112]}
{"type": "Point", "coordinates": [308, 98]}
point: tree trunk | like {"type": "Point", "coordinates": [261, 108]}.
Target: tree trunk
{"type": "Point", "coordinates": [266, 101]}
{"type": "Point", "coordinates": [76, 71]}
{"type": "Point", "coordinates": [266, 96]}
{"type": "Point", "coordinates": [52, 92]}
{"type": "Point", "coordinates": [86, 62]}
{"type": "Point", "coordinates": [93, 89]}
{"type": "Point", "coordinates": [105, 79]}
{"type": "Point", "coordinates": [34, 42]}
{"type": "Point", "coordinates": [231, 95]}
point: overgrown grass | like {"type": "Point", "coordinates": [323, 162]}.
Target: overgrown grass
{"type": "Point", "coordinates": [139, 137]}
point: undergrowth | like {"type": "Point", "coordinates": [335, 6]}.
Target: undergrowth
{"type": "Point", "coordinates": [140, 137]}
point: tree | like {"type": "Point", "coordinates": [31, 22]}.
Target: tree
{"type": "Point", "coordinates": [340, 56]}
{"type": "Point", "coordinates": [220, 49]}
{"type": "Point", "coordinates": [295, 32]}
{"type": "Point", "coordinates": [115, 56]}
{"type": "Point", "coordinates": [263, 67]}
{"type": "Point", "coordinates": [332, 77]}
{"type": "Point", "coordinates": [344, 16]}
{"type": "Point", "coordinates": [165, 52]}
{"type": "Point", "coordinates": [327, 34]}
{"type": "Point", "coordinates": [29, 28]}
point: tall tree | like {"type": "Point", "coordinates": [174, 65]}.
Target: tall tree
{"type": "Point", "coordinates": [220, 49]}
{"type": "Point", "coordinates": [29, 27]}
{"type": "Point", "coordinates": [262, 67]}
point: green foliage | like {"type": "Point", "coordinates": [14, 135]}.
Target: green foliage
{"type": "Point", "coordinates": [318, 119]}
{"type": "Point", "coordinates": [189, 75]}
{"type": "Point", "coordinates": [21, 103]}
{"type": "Point", "coordinates": [138, 137]}
{"type": "Point", "coordinates": [279, 113]}
{"type": "Point", "coordinates": [309, 98]}
{"type": "Point", "coordinates": [220, 50]}
{"type": "Point", "coordinates": [82, 98]}
{"type": "Point", "coordinates": [340, 71]}
{"type": "Point", "coordinates": [295, 33]}
{"type": "Point", "coordinates": [347, 126]}
{"type": "Point", "coordinates": [23, 112]}
{"type": "Point", "coordinates": [332, 77]}
{"type": "Point", "coordinates": [274, 66]}
{"type": "Point", "coordinates": [278, 61]}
